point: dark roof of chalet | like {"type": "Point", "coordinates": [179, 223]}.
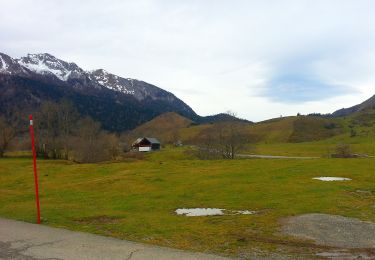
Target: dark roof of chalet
{"type": "Point", "coordinates": [152, 140]}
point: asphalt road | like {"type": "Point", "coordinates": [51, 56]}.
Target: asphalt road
{"type": "Point", "coordinates": [20, 240]}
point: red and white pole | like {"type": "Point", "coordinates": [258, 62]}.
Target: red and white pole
{"type": "Point", "coordinates": [35, 171]}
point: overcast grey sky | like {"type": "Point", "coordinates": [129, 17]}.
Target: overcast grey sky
{"type": "Point", "coordinates": [260, 59]}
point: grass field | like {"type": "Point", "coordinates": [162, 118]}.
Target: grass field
{"type": "Point", "coordinates": [136, 200]}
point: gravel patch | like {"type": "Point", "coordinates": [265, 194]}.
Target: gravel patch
{"type": "Point", "coordinates": [346, 255]}
{"type": "Point", "coordinates": [332, 230]}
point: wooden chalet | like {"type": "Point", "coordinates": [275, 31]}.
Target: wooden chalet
{"type": "Point", "coordinates": [146, 144]}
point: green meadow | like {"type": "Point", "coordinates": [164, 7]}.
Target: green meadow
{"type": "Point", "coordinates": [136, 199]}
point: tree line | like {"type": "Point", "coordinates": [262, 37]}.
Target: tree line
{"type": "Point", "coordinates": [61, 133]}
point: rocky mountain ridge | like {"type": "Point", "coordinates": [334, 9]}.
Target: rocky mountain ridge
{"type": "Point", "coordinates": [368, 104]}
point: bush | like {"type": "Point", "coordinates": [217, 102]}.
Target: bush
{"type": "Point", "coordinates": [343, 151]}
{"type": "Point", "coordinates": [353, 132]}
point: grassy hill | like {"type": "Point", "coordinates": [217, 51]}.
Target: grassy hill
{"type": "Point", "coordinates": [296, 135]}
{"type": "Point", "coordinates": [165, 127]}
{"type": "Point", "coordinates": [357, 130]}
{"type": "Point", "coordinates": [170, 126]}
{"type": "Point", "coordinates": [280, 130]}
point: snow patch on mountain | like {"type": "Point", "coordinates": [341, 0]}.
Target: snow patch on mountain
{"type": "Point", "coordinates": [4, 65]}
{"type": "Point", "coordinates": [45, 64]}
{"type": "Point", "coordinates": [10, 66]}
{"type": "Point", "coordinates": [41, 68]}
{"type": "Point", "coordinates": [113, 82]}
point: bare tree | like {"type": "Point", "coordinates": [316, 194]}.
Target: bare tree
{"type": "Point", "coordinates": [343, 151]}
{"type": "Point", "coordinates": [67, 119]}
{"type": "Point", "coordinates": [47, 131]}
{"type": "Point", "coordinates": [55, 125]}
{"type": "Point", "coordinates": [207, 143]}
{"type": "Point", "coordinates": [223, 140]}
{"type": "Point", "coordinates": [7, 133]}
{"type": "Point", "coordinates": [113, 145]}
{"type": "Point", "coordinates": [90, 143]}
{"type": "Point", "coordinates": [125, 141]}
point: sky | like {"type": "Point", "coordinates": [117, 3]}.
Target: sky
{"type": "Point", "coordinates": [259, 59]}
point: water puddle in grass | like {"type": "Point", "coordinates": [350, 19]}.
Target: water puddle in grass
{"type": "Point", "coordinates": [332, 179]}
{"type": "Point", "coordinates": [196, 212]}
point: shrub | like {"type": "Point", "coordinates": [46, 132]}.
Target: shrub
{"type": "Point", "coordinates": [343, 151]}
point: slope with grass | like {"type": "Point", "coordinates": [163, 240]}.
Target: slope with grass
{"type": "Point", "coordinates": [288, 136]}
{"type": "Point", "coordinates": [279, 130]}
{"type": "Point", "coordinates": [165, 127]}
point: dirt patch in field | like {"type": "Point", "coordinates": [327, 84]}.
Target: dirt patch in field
{"type": "Point", "coordinates": [331, 230]}
{"type": "Point", "coordinates": [102, 219]}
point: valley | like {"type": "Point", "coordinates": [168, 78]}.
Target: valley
{"type": "Point", "coordinates": [255, 180]}
{"type": "Point", "coordinates": [136, 199]}
{"type": "Point", "coordinates": [163, 130]}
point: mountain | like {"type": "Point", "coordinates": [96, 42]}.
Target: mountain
{"type": "Point", "coordinates": [222, 117]}
{"type": "Point", "coordinates": [165, 127]}
{"type": "Point", "coordinates": [10, 66]}
{"type": "Point", "coordinates": [368, 104]}
{"type": "Point", "coordinates": [46, 64]}
{"type": "Point", "coordinates": [118, 103]}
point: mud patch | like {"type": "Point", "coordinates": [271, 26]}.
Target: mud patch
{"type": "Point", "coordinates": [332, 230]}
{"type": "Point", "coordinates": [197, 212]}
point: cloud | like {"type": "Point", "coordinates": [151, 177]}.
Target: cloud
{"type": "Point", "coordinates": [299, 88]}
{"type": "Point", "coordinates": [259, 58]}
{"type": "Point", "coordinates": [307, 77]}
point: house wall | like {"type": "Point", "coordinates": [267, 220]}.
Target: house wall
{"type": "Point", "coordinates": [144, 149]}
{"type": "Point", "coordinates": [155, 146]}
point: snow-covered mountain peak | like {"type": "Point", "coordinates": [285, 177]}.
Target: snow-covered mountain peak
{"type": "Point", "coordinates": [10, 66]}
{"type": "Point", "coordinates": [48, 65]}
{"type": "Point", "coordinates": [45, 63]}
{"type": "Point", "coordinates": [37, 78]}
{"type": "Point", "coordinates": [113, 82]}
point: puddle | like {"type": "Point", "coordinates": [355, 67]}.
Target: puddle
{"type": "Point", "coordinates": [200, 212]}
{"type": "Point", "coordinates": [196, 212]}
{"type": "Point", "coordinates": [332, 179]}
